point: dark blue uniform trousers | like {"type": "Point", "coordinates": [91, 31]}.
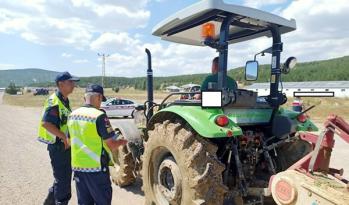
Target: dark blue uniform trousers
{"type": "Point", "coordinates": [93, 188]}
{"type": "Point", "coordinates": [60, 192]}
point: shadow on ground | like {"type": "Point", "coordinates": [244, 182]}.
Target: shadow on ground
{"type": "Point", "coordinates": [135, 188]}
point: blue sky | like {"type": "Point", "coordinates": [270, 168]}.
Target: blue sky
{"type": "Point", "coordinates": [67, 35]}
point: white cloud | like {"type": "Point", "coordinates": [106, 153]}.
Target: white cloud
{"type": "Point", "coordinates": [261, 3]}
{"type": "Point", "coordinates": [66, 55]}
{"type": "Point", "coordinates": [129, 59]}
{"type": "Point", "coordinates": [114, 42]}
{"type": "Point", "coordinates": [321, 34]}
{"type": "Point", "coordinates": [131, 5]}
{"type": "Point", "coordinates": [80, 61]}
{"type": "Point", "coordinates": [103, 25]}
{"type": "Point", "coordinates": [321, 29]}
{"type": "Point", "coordinates": [73, 22]}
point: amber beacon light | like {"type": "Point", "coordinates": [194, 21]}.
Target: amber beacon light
{"type": "Point", "coordinates": [208, 31]}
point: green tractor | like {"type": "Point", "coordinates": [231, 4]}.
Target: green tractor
{"type": "Point", "coordinates": [216, 149]}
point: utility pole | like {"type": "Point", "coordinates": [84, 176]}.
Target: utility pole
{"type": "Point", "coordinates": [103, 65]}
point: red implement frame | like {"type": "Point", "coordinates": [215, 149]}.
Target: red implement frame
{"type": "Point", "coordinates": [319, 159]}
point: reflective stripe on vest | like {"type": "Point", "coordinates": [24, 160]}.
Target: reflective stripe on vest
{"type": "Point", "coordinates": [87, 145]}
{"type": "Point", "coordinates": [44, 135]}
{"type": "Point", "coordinates": [84, 148]}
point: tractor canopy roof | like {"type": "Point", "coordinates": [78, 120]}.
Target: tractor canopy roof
{"type": "Point", "coordinates": [248, 23]}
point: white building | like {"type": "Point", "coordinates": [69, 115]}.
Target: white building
{"type": "Point", "coordinates": [172, 89]}
{"type": "Point", "coordinates": [339, 88]}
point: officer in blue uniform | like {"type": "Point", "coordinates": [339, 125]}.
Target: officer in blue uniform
{"type": "Point", "coordinates": [51, 132]}
{"type": "Point", "coordinates": [90, 131]}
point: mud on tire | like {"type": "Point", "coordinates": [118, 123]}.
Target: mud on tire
{"type": "Point", "coordinates": [122, 173]}
{"type": "Point", "coordinates": [180, 167]}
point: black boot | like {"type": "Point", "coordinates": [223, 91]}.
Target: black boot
{"type": "Point", "coordinates": [50, 199]}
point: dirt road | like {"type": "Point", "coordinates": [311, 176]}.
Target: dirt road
{"type": "Point", "coordinates": [25, 172]}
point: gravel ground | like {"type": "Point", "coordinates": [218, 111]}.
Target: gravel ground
{"type": "Point", "coordinates": [25, 170]}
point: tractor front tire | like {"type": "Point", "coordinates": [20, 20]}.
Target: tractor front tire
{"type": "Point", "coordinates": [122, 173]}
{"type": "Point", "coordinates": [181, 168]}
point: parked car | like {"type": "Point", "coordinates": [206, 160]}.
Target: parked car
{"type": "Point", "coordinates": [116, 107]}
{"type": "Point", "coordinates": [41, 91]}
{"type": "Point", "coordinates": [190, 88]}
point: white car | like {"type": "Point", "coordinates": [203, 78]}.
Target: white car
{"type": "Point", "coordinates": [116, 107]}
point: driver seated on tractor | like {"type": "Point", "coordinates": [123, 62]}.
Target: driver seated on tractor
{"type": "Point", "coordinates": [210, 82]}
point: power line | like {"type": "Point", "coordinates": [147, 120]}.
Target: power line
{"type": "Point", "coordinates": [104, 56]}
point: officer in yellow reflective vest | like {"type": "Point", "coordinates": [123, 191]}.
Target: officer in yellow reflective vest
{"type": "Point", "coordinates": [53, 131]}
{"type": "Point", "coordinates": [92, 142]}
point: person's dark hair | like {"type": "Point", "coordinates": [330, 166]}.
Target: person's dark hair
{"type": "Point", "coordinates": [215, 60]}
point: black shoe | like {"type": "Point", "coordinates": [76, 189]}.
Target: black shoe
{"type": "Point", "coordinates": [50, 199]}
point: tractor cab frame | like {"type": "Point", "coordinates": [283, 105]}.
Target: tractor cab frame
{"type": "Point", "coordinates": [229, 24]}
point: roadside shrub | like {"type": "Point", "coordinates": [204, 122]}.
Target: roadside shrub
{"type": "Point", "coordinates": [116, 89]}
{"type": "Point", "coordinates": [12, 89]}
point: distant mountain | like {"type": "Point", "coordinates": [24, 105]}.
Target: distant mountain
{"type": "Point", "coordinates": [22, 77]}
{"type": "Point", "coordinates": [336, 69]}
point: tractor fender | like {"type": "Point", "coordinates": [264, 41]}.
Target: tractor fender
{"type": "Point", "coordinates": [129, 130]}
{"type": "Point", "coordinates": [201, 120]}
{"type": "Point", "coordinates": [308, 125]}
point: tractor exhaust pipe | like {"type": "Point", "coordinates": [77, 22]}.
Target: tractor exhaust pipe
{"type": "Point", "coordinates": [150, 90]}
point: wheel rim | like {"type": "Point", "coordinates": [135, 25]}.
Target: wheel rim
{"type": "Point", "coordinates": [167, 179]}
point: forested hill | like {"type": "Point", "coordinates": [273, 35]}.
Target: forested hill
{"type": "Point", "coordinates": [328, 70]}
{"type": "Point", "coordinates": [22, 77]}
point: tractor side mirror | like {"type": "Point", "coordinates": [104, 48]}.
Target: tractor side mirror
{"type": "Point", "coordinates": [289, 64]}
{"type": "Point", "coordinates": [251, 70]}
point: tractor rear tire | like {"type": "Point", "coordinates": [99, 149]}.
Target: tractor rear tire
{"type": "Point", "coordinates": [181, 168]}
{"type": "Point", "coordinates": [122, 173]}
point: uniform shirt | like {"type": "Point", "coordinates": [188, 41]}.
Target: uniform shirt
{"type": "Point", "coordinates": [104, 128]}
{"type": "Point", "coordinates": [214, 78]}
{"type": "Point", "coordinates": [51, 114]}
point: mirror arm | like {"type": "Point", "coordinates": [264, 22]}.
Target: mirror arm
{"type": "Point", "coordinates": [268, 50]}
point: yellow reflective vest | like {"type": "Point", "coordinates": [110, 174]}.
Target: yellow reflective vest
{"type": "Point", "coordinates": [86, 144]}
{"type": "Point", "coordinates": [44, 135]}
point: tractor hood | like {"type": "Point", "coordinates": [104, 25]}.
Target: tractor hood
{"type": "Point", "coordinates": [185, 26]}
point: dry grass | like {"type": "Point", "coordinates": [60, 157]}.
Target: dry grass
{"type": "Point", "coordinates": [324, 106]}
{"type": "Point", "coordinates": [76, 98]}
